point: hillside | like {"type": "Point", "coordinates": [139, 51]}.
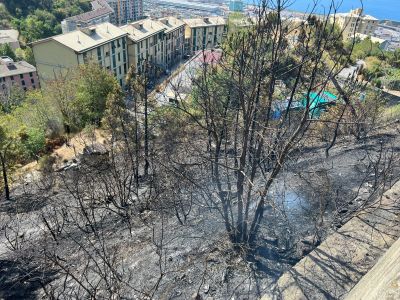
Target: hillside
{"type": "Point", "coordinates": [36, 19]}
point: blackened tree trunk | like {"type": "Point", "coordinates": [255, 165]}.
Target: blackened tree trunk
{"type": "Point", "coordinates": [5, 177]}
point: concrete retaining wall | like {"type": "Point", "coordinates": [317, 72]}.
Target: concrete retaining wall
{"type": "Point", "coordinates": [338, 264]}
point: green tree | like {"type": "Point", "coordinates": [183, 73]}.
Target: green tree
{"type": "Point", "coordinates": [365, 48]}
{"type": "Point", "coordinates": [6, 50]}
{"type": "Point", "coordinates": [10, 99]}
{"type": "Point", "coordinates": [93, 85]}
{"type": "Point", "coordinates": [40, 24]}
{"type": "Point", "coordinates": [5, 17]}
{"type": "Point", "coordinates": [33, 140]}
{"type": "Point", "coordinates": [25, 54]}
{"type": "Point", "coordinates": [9, 150]}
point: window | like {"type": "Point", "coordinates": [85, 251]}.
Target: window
{"type": "Point", "coordinates": [119, 56]}
{"type": "Point", "coordinates": [30, 74]}
{"type": "Point", "coordinates": [113, 60]}
{"type": "Point", "coordinates": [21, 76]}
{"type": "Point", "coordinates": [125, 68]}
{"type": "Point", "coordinates": [119, 69]}
{"type": "Point", "coordinates": [32, 81]}
{"type": "Point", "coordinates": [118, 44]}
{"type": "Point", "coordinates": [34, 86]}
{"type": "Point", "coordinates": [12, 77]}
{"type": "Point", "coordinates": [107, 53]}
{"type": "Point", "coordinates": [23, 82]}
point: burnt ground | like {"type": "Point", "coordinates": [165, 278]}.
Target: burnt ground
{"type": "Point", "coordinates": [196, 257]}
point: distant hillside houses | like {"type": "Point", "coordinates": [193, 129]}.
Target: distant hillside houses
{"type": "Point", "coordinates": [117, 12]}
{"type": "Point", "coordinates": [355, 22]}
{"type": "Point", "coordinates": [16, 74]}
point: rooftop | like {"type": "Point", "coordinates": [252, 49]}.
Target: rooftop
{"type": "Point", "coordinates": [171, 23]}
{"type": "Point", "coordinates": [205, 22]}
{"type": "Point", "coordinates": [357, 13]}
{"type": "Point", "coordinates": [10, 68]}
{"type": "Point", "coordinates": [86, 38]}
{"type": "Point", "coordinates": [100, 8]}
{"type": "Point", "coordinates": [9, 35]}
{"type": "Point", "coordinates": [142, 29]}
{"type": "Point", "coordinates": [374, 39]}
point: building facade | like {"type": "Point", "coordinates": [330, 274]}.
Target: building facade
{"type": "Point", "coordinates": [104, 43]}
{"type": "Point", "coordinates": [155, 45]}
{"type": "Point", "coordinates": [204, 33]}
{"type": "Point", "coordinates": [355, 22]}
{"type": "Point", "coordinates": [126, 11]}
{"type": "Point", "coordinates": [174, 40]}
{"type": "Point", "coordinates": [101, 12]}
{"type": "Point", "coordinates": [20, 74]}
{"type": "Point", "coordinates": [236, 5]}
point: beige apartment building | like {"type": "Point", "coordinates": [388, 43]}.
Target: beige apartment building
{"type": "Point", "coordinates": [174, 40]}
{"type": "Point", "coordinates": [355, 22]}
{"type": "Point", "coordinates": [155, 44]}
{"type": "Point", "coordinates": [204, 33]}
{"type": "Point", "coordinates": [103, 43]}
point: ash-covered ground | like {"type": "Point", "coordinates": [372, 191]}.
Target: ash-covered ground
{"type": "Point", "coordinates": [51, 247]}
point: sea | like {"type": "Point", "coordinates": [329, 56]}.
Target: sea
{"type": "Point", "coordinates": [380, 9]}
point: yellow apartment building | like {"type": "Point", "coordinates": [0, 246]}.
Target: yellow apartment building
{"type": "Point", "coordinates": [103, 43]}
{"type": "Point", "coordinates": [145, 44]}
{"type": "Point", "coordinates": [157, 44]}
{"type": "Point", "coordinates": [204, 33]}
{"type": "Point", "coordinates": [174, 40]}
{"type": "Point", "coordinates": [355, 22]}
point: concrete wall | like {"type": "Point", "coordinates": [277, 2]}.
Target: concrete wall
{"type": "Point", "coordinates": [53, 59]}
{"type": "Point", "coordinates": [383, 280]}
{"type": "Point", "coordinates": [338, 264]}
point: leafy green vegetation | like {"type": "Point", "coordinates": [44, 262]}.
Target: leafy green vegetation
{"type": "Point", "coordinates": [28, 122]}
{"type": "Point", "coordinates": [36, 19]}
{"type": "Point", "coordinates": [6, 50]}
{"type": "Point", "coordinates": [366, 48]}
{"type": "Point", "coordinates": [381, 67]}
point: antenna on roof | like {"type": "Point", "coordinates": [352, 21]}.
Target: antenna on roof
{"type": "Point", "coordinates": [107, 29]}
{"type": "Point", "coordinates": [78, 39]}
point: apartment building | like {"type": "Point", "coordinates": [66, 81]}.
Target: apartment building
{"type": "Point", "coordinates": [101, 12]}
{"type": "Point", "coordinates": [236, 5]}
{"type": "Point", "coordinates": [174, 40]}
{"type": "Point", "coordinates": [355, 22]}
{"type": "Point", "coordinates": [126, 10]}
{"type": "Point", "coordinates": [19, 74]}
{"type": "Point", "coordinates": [103, 43]}
{"type": "Point", "coordinates": [155, 45]}
{"type": "Point", "coordinates": [204, 33]}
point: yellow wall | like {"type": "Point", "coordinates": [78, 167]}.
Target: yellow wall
{"type": "Point", "coordinates": [53, 59]}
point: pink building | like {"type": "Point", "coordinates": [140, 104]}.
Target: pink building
{"type": "Point", "coordinates": [18, 73]}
